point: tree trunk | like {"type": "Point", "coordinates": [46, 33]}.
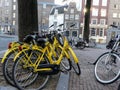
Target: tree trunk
{"type": "Point", "coordinates": [87, 20]}
{"type": "Point", "coordinates": [27, 18]}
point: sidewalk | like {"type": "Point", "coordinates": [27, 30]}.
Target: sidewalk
{"type": "Point", "coordinates": [70, 81]}
{"type": "Point", "coordinates": [87, 81]}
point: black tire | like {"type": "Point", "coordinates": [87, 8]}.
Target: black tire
{"type": "Point", "coordinates": [65, 64]}
{"type": "Point", "coordinates": [76, 68]}
{"type": "Point", "coordinates": [107, 68]}
{"type": "Point", "coordinates": [7, 67]}
{"type": "Point", "coordinates": [25, 78]}
{"type": "Point", "coordinates": [118, 87]}
{"type": "Point", "coordinates": [60, 39]}
{"type": "Point", "coordinates": [75, 65]}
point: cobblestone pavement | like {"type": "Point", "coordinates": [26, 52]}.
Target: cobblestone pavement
{"type": "Point", "coordinates": [87, 81]}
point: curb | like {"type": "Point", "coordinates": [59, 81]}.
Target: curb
{"type": "Point", "coordinates": [63, 82]}
{"type": "Point", "coordinates": [7, 88]}
{"type": "Point", "coordinates": [8, 36]}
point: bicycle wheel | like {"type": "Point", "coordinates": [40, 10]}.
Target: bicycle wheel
{"type": "Point", "coordinates": [107, 68]}
{"type": "Point", "coordinates": [7, 67]}
{"type": "Point", "coordinates": [94, 63]}
{"type": "Point", "coordinates": [65, 64]}
{"type": "Point", "coordinates": [25, 78]}
{"type": "Point", "coordinates": [74, 64]}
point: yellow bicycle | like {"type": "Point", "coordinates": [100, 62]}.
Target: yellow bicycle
{"type": "Point", "coordinates": [7, 60]}
{"type": "Point", "coordinates": [33, 61]}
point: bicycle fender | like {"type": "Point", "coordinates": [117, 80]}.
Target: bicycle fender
{"type": "Point", "coordinates": [18, 54]}
{"type": "Point", "coordinates": [5, 55]}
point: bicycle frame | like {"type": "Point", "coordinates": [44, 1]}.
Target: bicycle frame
{"type": "Point", "coordinates": [13, 48]}
{"type": "Point", "coordinates": [69, 48]}
{"type": "Point", "coordinates": [7, 52]}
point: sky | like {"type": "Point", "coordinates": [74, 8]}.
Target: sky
{"type": "Point", "coordinates": [78, 2]}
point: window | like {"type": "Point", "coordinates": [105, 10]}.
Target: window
{"type": "Point", "coordinates": [7, 11]}
{"type": "Point", "coordinates": [6, 28]}
{"type": "Point", "coordinates": [119, 15]}
{"type": "Point", "coordinates": [14, 0]}
{"type": "Point", "coordinates": [93, 32]}
{"type": "Point", "coordinates": [102, 21]}
{"type": "Point", "coordinates": [119, 6]}
{"type": "Point", "coordinates": [6, 3]}
{"type": "Point", "coordinates": [104, 2]}
{"type": "Point", "coordinates": [95, 2]}
{"type": "Point", "coordinates": [114, 15]}
{"type": "Point", "coordinates": [0, 1]}
{"type": "Point", "coordinates": [14, 22]}
{"type": "Point", "coordinates": [101, 32]}
{"type": "Point", "coordinates": [94, 12]}
{"type": "Point", "coordinates": [44, 5]}
{"type": "Point", "coordinates": [72, 11]}
{"type": "Point", "coordinates": [115, 6]}
{"type": "Point", "coordinates": [114, 23]}
{"type": "Point", "coordinates": [74, 33]}
{"type": "Point", "coordinates": [71, 17]}
{"type": "Point", "coordinates": [67, 33]}
{"type": "Point", "coordinates": [76, 17]}
{"type": "Point", "coordinates": [76, 25]}
{"type": "Point", "coordinates": [6, 19]}
{"type": "Point", "coordinates": [94, 21]}
{"type": "Point", "coordinates": [14, 15]}
{"type": "Point", "coordinates": [103, 12]}
{"type": "Point", "coordinates": [66, 16]}
{"type": "Point", "coordinates": [44, 13]}
{"type": "Point", "coordinates": [14, 7]}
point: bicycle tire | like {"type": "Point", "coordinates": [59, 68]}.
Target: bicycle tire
{"type": "Point", "coordinates": [7, 67]}
{"type": "Point", "coordinates": [74, 64]}
{"type": "Point", "coordinates": [28, 82]}
{"type": "Point", "coordinates": [111, 66]}
{"type": "Point", "coordinates": [60, 39]}
{"type": "Point", "coordinates": [65, 64]}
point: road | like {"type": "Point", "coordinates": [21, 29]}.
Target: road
{"type": "Point", "coordinates": [5, 40]}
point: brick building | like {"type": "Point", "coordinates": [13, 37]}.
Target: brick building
{"type": "Point", "coordinates": [113, 19]}
{"type": "Point", "coordinates": [98, 19]}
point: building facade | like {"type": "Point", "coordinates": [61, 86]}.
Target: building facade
{"type": "Point", "coordinates": [113, 19]}
{"type": "Point", "coordinates": [98, 19]}
{"type": "Point", "coordinates": [72, 16]}
{"type": "Point", "coordinates": [5, 16]}
{"type": "Point", "coordinates": [67, 15]}
{"type": "Point", "coordinates": [44, 8]}
{"type": "Point", "coordinates": [9, 15]}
